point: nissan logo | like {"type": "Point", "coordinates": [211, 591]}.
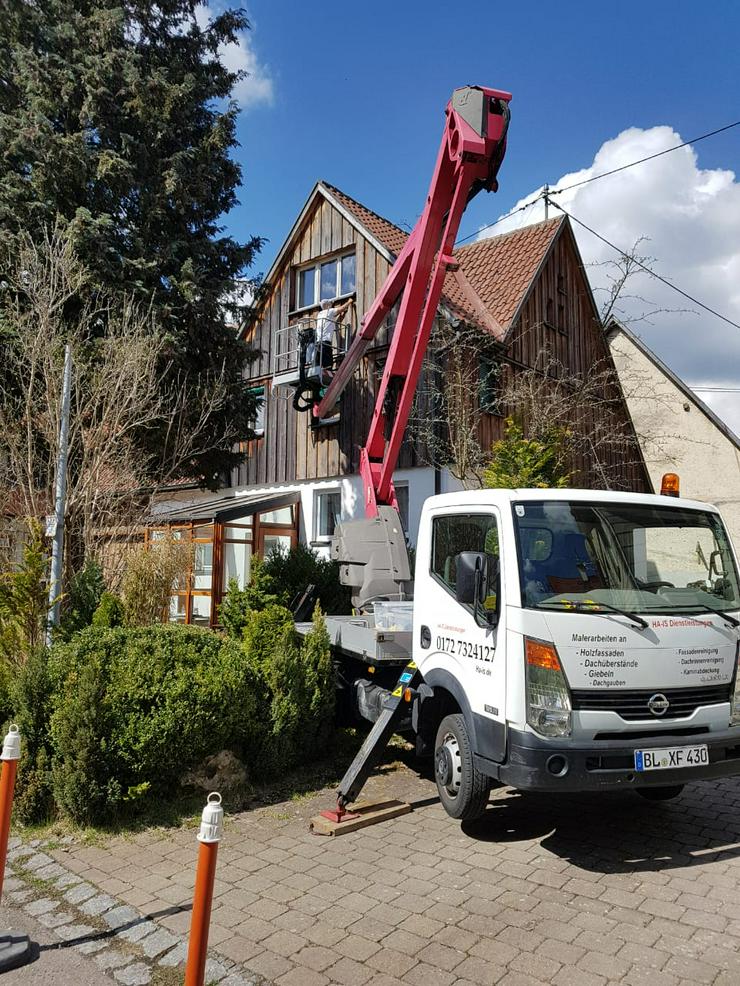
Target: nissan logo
{"type": "Point", "coordinates": [658, 704]}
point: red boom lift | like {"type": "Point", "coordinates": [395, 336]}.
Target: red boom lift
{"type": "Point", "coordinates": [372, 552]}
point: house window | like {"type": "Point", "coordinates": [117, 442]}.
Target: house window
{"type": "Point", "coordinates": [402, 499]}
{"type": "Point", "coordinates": [306, 287]}
{"type": "Point", "coordinates": [237, 552]}
{"type": "Point", "coordinates": [327, 511]}
{"type": "Point", "coordinates": [330, 279]}
{"type": "Point", "coordinates": [222, 552]}
{"type": "Point", "coordinates": [258, 427]}
{"type": "Point", "coordinates": [488, 386]}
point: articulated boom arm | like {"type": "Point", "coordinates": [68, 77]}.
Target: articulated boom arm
{"type": "Point", "coordinates": [473, 147]}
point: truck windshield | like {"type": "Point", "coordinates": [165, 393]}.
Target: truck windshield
{"type": "Point", "coordinates": [642, 558]}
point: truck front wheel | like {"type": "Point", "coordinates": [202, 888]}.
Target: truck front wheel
{"type": "Point", "coordinates": [463, 790]}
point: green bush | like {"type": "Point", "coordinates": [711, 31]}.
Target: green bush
{"type": "Point", "coordinates": [110, 612]}
{"type": "Point", "coordinates": [260, 591]}
{"type": "Point", "coordinates": [278, 580]}
{"type": "Point", "coordinates": [24, 602]}
{"type": "Point", "coordinates": [84, 593]}
{"type": "Point", "coordinates": [138, 707]}
{"type": "Point", "coordinates": [301, 566]}
{"type": "Point", "coordinates": [523, 462]}
{"type": "Point", "coordinates": [30, 698]}
{"type": "Point", "coordinates": [6, 680]}
{"type": "Point", "coordinates": [296, 683]}
{"type": "Point", "coordinates": [265, 631]}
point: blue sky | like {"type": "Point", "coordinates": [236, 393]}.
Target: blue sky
{"type": "Point", "coordinates": [354, 93]}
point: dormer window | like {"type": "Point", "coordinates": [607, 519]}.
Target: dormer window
{"type": "Point", "coordinates": [332, 278]}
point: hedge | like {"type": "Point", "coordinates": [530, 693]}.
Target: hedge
{"type": "Point", "coordinates": [115, 717]}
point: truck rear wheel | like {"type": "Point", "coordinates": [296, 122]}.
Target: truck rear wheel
{"type": "Point", "coordinates": [463, 790]}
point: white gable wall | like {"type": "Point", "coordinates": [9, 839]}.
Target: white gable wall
{"type": "Point", "coordinates": [676, 434]}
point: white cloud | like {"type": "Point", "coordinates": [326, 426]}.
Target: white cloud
{"type": "Point", "coordinates": [691, 217]}
{"type": "Point", "coordinates": [256, 86]}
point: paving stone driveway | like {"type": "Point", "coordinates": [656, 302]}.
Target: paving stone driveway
{"type": "Point", "coordinates": [569, 891]}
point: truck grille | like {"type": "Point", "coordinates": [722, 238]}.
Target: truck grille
{"type": "Point", "coordinates": [631, 705]}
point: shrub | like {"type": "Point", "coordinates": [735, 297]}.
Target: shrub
{"type": "Point", "coordinates": [24, 602]}
{"type": "Point", "coordinates": [84, 593]}
{"type": "Point", "coordinates": [293, 570]}
{"type": "Point", "coordinates": [138, 707]}
{"type": "Point", "coordinates": [152, 573]}
{"type": "Point", "coordinates": [520, 462]}
{"type": "Point", "coordinates": [296, 682]}
{"type": "Point", "coordinates": [233, 612]}
{"type": "Point", "coordinates": [266, 630]}
{"type": "Point", "coordinates": [110, 612]}
{"type": "Point", "coordinates": [30, 698]}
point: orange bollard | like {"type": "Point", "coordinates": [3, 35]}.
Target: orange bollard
{"type": "Point", "coordinates": [211, 828]}
{"type": "Point", "coordinates": [15, 949]}
{"type": "Point", "coordinates": [10, 756]}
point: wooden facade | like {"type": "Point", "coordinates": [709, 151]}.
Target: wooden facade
{"type": "Point", "coordinates": [554, 311]}
{"type": "Point", "coordinates": [558, 320]}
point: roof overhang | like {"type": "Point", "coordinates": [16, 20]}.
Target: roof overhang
{"type": "Point", "coordinates": [226, 508]}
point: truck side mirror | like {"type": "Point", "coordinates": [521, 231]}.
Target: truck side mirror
{"type": "Point", "coordinates": [470, 570]}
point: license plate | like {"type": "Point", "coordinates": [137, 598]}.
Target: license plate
{"type": "Point", "coordinates": [671, 757]}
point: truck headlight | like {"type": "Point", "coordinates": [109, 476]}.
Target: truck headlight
{"type": "Point", "coordinates": [735, 702]}
{"type": "Point", "coordinates": [548, 696]}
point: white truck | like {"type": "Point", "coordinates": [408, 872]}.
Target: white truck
{"type": "Point", "coordinates": [562, 640]}
{"type": "Point", "coordinates": [559, 639]}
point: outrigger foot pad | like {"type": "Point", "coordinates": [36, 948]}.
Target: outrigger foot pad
{"type": "Point", "coordinates": [340, 814]}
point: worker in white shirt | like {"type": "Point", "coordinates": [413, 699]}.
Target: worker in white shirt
{"type": "Point", "coordinates": [327, 322]}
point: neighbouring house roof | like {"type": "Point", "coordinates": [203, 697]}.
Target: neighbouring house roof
{"type": "Point", "coordinates": [615, 328]}
{"type": "Point", "coordinates": [501, 268]}
{"type": "Point", "coordinates": [495, 273]}
{"type": "Point", "coordinates": [226, 508]}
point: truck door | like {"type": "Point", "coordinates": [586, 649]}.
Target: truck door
{"type": "Point", "coordinates": [464, 642]}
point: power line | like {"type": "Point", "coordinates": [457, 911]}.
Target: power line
{"type": "Point", "coordinates": [647, 269]}
{"type": "Point", "coordinates": [642, 160]}
{"type": "Point", "coordinates": [508, 215]}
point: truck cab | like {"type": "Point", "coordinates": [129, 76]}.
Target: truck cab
{"type": "Point", "coordinates": [574, 640]}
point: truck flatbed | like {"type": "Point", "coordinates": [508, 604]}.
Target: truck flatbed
{"type": "Point", "coordinates": [359, 638]}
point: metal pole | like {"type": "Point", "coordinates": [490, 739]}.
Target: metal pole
{"type": "Point", "coordinates": [546, 196]}
{"type": "Point", "coordinates": [57, 550]}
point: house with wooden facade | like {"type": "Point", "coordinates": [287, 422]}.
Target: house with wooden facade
{"type": "Point", "coordinates": [524, 292]}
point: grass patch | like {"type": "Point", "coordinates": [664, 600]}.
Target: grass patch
{"type": "Point", "coordinates": [167, 977]}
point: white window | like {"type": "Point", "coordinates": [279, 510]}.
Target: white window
{"type": "Point", "coordinates": [259, 419]}
{"type": "Point", "coordinates": [331, 279]}
{"type": "Point", "coordinates": [402, 499]}
{"type": "Point", "coordinates": [327, 511]}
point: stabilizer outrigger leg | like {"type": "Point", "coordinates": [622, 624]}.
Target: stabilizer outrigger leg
{"type": "Point", "coordinates": [394, 709]}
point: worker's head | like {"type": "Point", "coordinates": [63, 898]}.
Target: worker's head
{"type": "Point", "coordinates": [326, 303]}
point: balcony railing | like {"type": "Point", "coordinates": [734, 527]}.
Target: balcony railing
{"type": "Point", "coordinates": [286, 353]}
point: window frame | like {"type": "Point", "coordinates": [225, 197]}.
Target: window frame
{"type": "Point", "coordinates": [462, 515]}
{"type": "Point", "coordinates": [316, 266]}
{"type": "Point", "coordinates": [403, 487]}
{"type": "Point", "coordinates": [488, 369]}
{"type": "Point", "coordinates": [318, 538]}
{"type": "Point", "coordinates": [259, 390]}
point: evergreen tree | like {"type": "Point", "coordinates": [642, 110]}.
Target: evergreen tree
{"type": "Point", "coordinates": [115, 121]}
